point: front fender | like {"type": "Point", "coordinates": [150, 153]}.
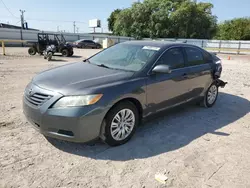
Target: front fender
{"type": "Point", "coordinates": [113, 93]}
{"type": "Point", "coordinates": [135, 89]}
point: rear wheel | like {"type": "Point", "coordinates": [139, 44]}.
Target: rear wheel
{"type": "Point", "coordinates": [32, 51]}
{"type": "Point", "coordinates": [65, 53]}
{"type": "Point", "coordinates": [71, 53]}
{"type": "Point", "coordinates": [210, 96]}
{"type": "Point", "coordinates": [120, 124]}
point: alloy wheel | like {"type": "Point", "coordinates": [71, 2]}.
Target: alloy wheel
{"type": "Point", "coordinates": [122, 124]}
{"type": "Point", "coordinates": [212, 94]}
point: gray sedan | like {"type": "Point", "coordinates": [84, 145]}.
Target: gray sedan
{"type": "Point", "coordinates": [108, 94]}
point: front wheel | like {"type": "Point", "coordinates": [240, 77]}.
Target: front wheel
{"type": "Point", "coordinates": [210, 96]}
{"type": "Point", "coordinates": [121, 123]}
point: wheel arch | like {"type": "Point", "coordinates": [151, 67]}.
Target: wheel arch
{"type": "Point", "coordinates": [132, 100]}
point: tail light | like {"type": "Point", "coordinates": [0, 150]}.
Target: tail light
{"type": "Point", "coordinates": [218, 69]}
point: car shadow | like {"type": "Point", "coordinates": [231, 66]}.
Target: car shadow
{"type": "Point", "coordinates": [58, 60]}
{"type": "Point", "coordinates": [74, 56]}
{"type": "Point", "coordinates": [166, 131]}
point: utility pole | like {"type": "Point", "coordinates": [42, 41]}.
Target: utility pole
{"type": "Point", "coordinates": [22, 18]}
{"type": "Point", "coordinates": [22, 24]}
{"type": "Point", "coordinates": [58, 28]}
{"type": "Point", "coordinates": [77, 29]}
{"type": "Point", "coordinates": [74, 25]}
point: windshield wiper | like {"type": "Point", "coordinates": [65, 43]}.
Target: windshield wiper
{"type": "Point", "coordinates": [104, 66]}
{"type": "Point", "coordinates": [86, 60]}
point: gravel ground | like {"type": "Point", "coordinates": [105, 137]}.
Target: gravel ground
{"type": "Point", "coordinates": [192, 146]}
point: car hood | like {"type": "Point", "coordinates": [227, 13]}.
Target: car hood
{"type": "Point", "coordinates": [73, 78]}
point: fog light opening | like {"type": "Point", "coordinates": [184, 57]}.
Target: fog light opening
{"type": "Point", "coordinates": [64, 132]}
{"type": "Point", "coordinates": [37, 125]}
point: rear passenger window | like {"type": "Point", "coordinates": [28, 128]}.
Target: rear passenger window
{"type": "Point", "coordinates": [173, 58]}
{"type": "Point", "coordinates": [207, 57]}
{"type": "Point", "coordinates": [194, 57]}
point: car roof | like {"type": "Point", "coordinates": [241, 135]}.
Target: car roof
{"type": "Point", "coordinates": [84, 39]}
{"type": "Point", "coordinates": [160, 44]}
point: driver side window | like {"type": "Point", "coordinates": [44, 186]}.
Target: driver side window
{"type": "Point", "coordinates": [173, 58]}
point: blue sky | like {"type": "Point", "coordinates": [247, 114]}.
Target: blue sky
{"type": "Point", "coordinates": [64, 12]}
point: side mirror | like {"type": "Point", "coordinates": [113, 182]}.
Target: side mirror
{"type": "Point", "coordinates": [161, 69]}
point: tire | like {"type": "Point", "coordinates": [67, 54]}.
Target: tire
{"type": "Point", "coordinates": [71, 53]}
{"type": "Point", "coordinates": [50, 54]}
{"type": "Point", "coordinates": [65, 53]}
{"type": "Point", "coordinates": [211, 96]}
{"type": "Point", "coordinates": [32, 51]}
{"type": "Point", "coordinates": [124, 131]}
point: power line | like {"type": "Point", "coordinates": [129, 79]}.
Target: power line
{"type": "Point", "coordinates": [8, 9]}
{"type": "Point", "coordinates": [42, 20]}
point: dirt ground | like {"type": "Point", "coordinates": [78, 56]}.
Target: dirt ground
{"type": "Point", "coordinates": [192, 146]}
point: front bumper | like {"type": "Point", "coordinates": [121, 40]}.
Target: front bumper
{"type": "Point", "coordinates": [76, 124]}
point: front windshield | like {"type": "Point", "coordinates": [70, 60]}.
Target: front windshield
{"type": "Point", "coordinates": [124, 56]}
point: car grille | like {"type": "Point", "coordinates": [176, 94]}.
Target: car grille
{"type": "Point", "coordinates": [37, 99]}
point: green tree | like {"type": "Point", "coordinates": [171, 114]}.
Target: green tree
{"type": "Point", "coordinates": [166, 18]}
{"type": "Point", "coordinates": [123, 23]}
{"type": "Point", "coordinates": [191, 20]}
{"type": "Point", "coordinates": [112, 19]}
{"type": "Point", "coordinates": [236, 29]}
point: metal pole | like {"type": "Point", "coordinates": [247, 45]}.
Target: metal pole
{"type": "Point", "coordinates": [239, 48]}
{"type": "Point", "coordinates": [22, 22]}
{"type": "Point", "coordinates": [3, 48]}
{"type": "Point", "coordinates": [22, 18]}
{"type": "Point", "coordinates": [219, 46]}
{"type": "Point", "coordinates": [74, 25]}
{"type": "Point", "coordinates": [21, 33]}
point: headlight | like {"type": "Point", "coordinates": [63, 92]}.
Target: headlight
{"type": "Point", "coordinates": [73, 101]}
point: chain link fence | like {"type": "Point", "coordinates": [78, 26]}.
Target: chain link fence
{"type": "Point", "coordinates": [220, 46]}
{"type": "Point", "coordinates": [30, 35]}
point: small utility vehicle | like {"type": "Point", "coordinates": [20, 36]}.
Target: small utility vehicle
{"type": "Point", "coordinates": [47, 39]}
